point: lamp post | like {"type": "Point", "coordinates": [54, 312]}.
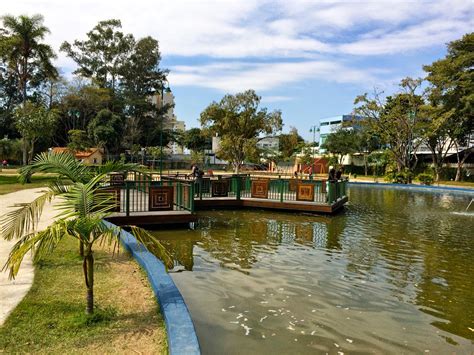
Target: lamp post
{"type": "Point", "coordinates": [314, 129]}
{"type": "Point", "coordinates": [161, 123]}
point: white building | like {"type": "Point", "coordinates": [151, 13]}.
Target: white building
{"type": "Point", "coordinates": [332, 124]}
{"type": "Point", "coordinates": [171, 121]}
{"type": "Point", "coordinates": [269, 144]}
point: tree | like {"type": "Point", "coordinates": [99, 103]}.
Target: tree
{"type": "Point", "coordinates": [33, 121]}
{"type": "Point", "coordinates": [194, 139]}
{"type": "Point", "coordinates": [452, 92]}
{"type": "Point", "coordinates": [396, 121]}
{"type": "Point", "coordinates": [342, 142]}
{"type": "Point", "coordinates": [23, 53]}
{"type": "Point", "coordinates": [83, 210]}
{"type": "Point", "coordinates": [289, 143]}
{"type": "Point", "coordinates": [105, 129]}
{"type": "Point", "coordinates": [102, 56]}
{"type": "Point", "coordinates": [238, 121]}
{"type": "Point", "coordinates": [78, 140]}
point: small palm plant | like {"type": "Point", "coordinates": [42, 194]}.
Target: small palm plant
{"type": "Point", "coordinates": [67, 169]}
{"type": "Point", "coordinates": [83, 208]}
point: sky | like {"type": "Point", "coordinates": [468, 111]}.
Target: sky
{"type": "Point", "coordinates": [309, 59]}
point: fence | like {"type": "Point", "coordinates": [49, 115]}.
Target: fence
{"type": "Point", "coordinates": [141, 192]}
{"type": "Point", "coordinates": [282, 190]}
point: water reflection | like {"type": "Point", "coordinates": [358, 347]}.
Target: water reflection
{"type": "Point", "coordinates": [231, 239]}
{"type": "Point", "coordinates": [393, 273]}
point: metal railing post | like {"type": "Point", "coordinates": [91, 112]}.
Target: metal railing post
{"type": "Point", "coordinates": [191, 197]}
{"type": "Point", "coordinates": [127, 199]}
{"type": "Point", "coordinates": [331, 192]}
{"type": "Point", "coordinates": [239, 183]}
{"type": "Point", "coordinates": [281, 190]}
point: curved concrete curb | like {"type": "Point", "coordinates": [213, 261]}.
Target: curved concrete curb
{"type": "Point", "coordinates": [182, 337]}
{"type": "Point", "coordinates": [417, 187]}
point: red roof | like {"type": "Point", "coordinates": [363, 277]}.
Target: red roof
{"type": "Point", "coordinates": [80, 154]}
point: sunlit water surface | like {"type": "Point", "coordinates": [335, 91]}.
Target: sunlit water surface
{"type": "Point", "coordinates": [393, 273]}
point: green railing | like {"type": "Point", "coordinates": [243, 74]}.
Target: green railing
{"type": "Point", "coordinates": [283, 190]}
{"type": "Point", "coordinates": [135, 196]}
{"type": "Point", "coordinates": [135, 190]}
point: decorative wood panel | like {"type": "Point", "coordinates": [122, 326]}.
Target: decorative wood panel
{"type": "Point", "coordinates": [160, 198]}
{"type": "Point", "coordinates": [305, 192]}
{"type": "Point", "coordinates": [115, 192]}
{"type": "Point", "coordinates": [293, 184]}
{"type": "Point", "coordinates": [259, 188]}
{"type": "Point", "coordinates": [220, 188]}
{"type": "Point", "coordinates": [116, 179]}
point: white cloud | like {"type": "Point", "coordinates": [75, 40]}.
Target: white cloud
{"type": "Point", "coordinates": [252, 28]}
{"type": "Point", "coordinates": [233, 77]}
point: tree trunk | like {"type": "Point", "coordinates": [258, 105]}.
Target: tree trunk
{"type": "Point", "coordinates": [88, 268]}
{"type": "Point", "coordinates": [25, 151]}
{"type": "Point", "coordinates": [81, 249]}
{"type": "Point", "coordinates": [365, 164]}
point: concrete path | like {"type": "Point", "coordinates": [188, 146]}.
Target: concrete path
{"type": "Point", "coordinates": [13, 291]}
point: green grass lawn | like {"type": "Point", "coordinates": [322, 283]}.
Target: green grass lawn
{"type": "Point", "coordinates": [9, 181]}
{"type": "Point", "coordinates": [51, 318]}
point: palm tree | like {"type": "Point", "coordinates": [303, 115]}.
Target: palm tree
{"type": "Point", "coordinates": [25, 55]}
{"type": "Point", "coordinates": [83, 208]}
{"type": "Point", "coordinates": [68, 170]}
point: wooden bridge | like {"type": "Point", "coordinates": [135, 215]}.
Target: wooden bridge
{"type": "Point", "coordinates": [148, 199]}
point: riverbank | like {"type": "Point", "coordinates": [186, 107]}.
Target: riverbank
{"type": "Point", "coordinates": [51, 320]}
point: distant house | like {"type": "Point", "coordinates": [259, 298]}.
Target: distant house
{"type": "Point", "coordinates": [90, 156]}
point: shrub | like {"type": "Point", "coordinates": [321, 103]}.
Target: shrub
{"type": "Point", "coordinates": [425, 178]}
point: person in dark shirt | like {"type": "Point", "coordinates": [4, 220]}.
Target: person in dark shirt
{"type": "Point", "coordinates": [332, 174]}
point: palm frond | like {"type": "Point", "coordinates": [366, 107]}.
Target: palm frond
{"type": "Point", "coordinates": [64, 164]}
{"type": "Point", "coordinates": [150, 242]}
{"type": "Point", "coordinates": [40, 243]}
{"type": "Point", "coordinates": [25, 218]}
{"type": "Point", "coordinates": [112, 166]}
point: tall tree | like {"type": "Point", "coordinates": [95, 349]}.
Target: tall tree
{"type": "Point", "coordinates": [342, 142]}
{"type": "Point", "coordinates": [102, 55]}
{"type": "Point", "coordinates": [239, 120]}
{"type": "Point", "coordinates": [24, 54]}
{"type": "Point", "coordinates": [452, 91]}
{"type": "Point", "coordinates": [105, 129]}
{"type": "Point", "coordinates": [195, 140]}
{"type": "Point", "coordinates": [33, 121]}
{"type": "Point", "coordinates": [289, 143]}
{"type": "Point", "coordinates": [396, 121]}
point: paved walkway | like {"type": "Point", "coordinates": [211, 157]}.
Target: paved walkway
{"type": "Point", "coordinates": [13, 291]}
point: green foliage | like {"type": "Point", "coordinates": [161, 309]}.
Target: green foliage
{"type": "Point", "coordinates": [105, 129]}
{"type": "Point", "coordinates": [238, 119]}
{"type": "Point", "coordinates": [195, 140]}
{"type": "Point", "coordinates": [33, 121]}
{"type": "Point", "coordinates": [396, 121]}
{"type": "Point", "coordinates": [22, 51]}
{"type": "Point", "coordinates": [342, 142]}
{"type": "Point", "coordinates": [402, 177]}
{"type": "Point", "coordinates": [104, 53]}
{"type": "Point", "coordinates": [451, 94]}
{"type": "Point", "coordinates": [10, 149]}
{"type": "Point", "coordinates": [83, 208]}
{"type": "Point", "coordinates": [425, 178]}
{"type": "Point", "coordinates": [290, 144]}
{"type": "Point", "coordinates": [78, 140]}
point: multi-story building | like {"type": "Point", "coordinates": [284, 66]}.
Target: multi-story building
{"type": "Point", "coordinates": [332, 124]}
{"type": "Point", "coordinates": [269, 144]}
{"type": "Point", "coordinates": [170, 122]}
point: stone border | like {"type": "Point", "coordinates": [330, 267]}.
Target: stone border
{"type": "Point", "coordinates": [182, 338]}
{"type": "Point", "coordinates": [427, 188]}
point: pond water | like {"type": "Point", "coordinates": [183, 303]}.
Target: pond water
{"type": "Point", "coordinates": [392, 273]}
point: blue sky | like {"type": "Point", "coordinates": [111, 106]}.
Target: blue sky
{"type": "Point", "coordinates": [307, 58]}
